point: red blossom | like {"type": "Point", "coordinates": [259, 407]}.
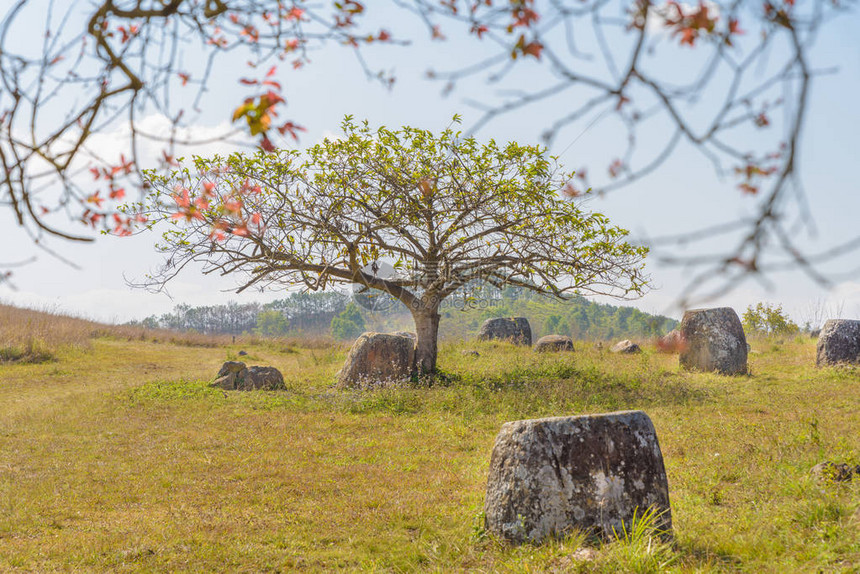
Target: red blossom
{"type": "Point", "coordinates": [479, 30]}
{"type": "Point", "coordinates": [570, 191]}
{"type": "Point", "coordinates": [96, 199]}
{"type": "Point", "coordinates": [182, 199]}
{"type": "Point", "coordinates": [690, 25]}
{"type": "Point", "coordinates": [267, 144]}
{"type": "Point", "coordinates": [291, 128]}
{"type": "Point", "coordinates": [734, 27]}
{"type": "Point", "coordinates": [240, 230]}
{"type": "Point", "coordinates": [169, 159]}
{"type": "Point", "coordinates": [233, 206]}
{"type": "Point", "coordinates": [525, 48]}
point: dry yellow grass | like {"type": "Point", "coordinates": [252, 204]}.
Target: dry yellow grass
{"type": "Point", "coordinates": [118, 457]}
{"type": "Point", "coordinates": [33, 336]}
{"type": "Point", "coordinates": [30, 336]}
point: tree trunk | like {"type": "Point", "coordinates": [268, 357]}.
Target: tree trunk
{"type": "Point", "coordinates": [427, 329]}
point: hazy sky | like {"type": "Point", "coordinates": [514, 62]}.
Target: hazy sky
{"type": "Point", "coordinates": [684, 195]}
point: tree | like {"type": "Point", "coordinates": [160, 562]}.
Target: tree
{"type": "Point", "coordinates": [113, 61]}
{"type": "Point", "coordinates": [272, 324]}
{"type": "Point", "coordinates": [349, 324]}
{"type": "Point", "coordinates": [446, 211]}
{"type": "Point", "coordinates": [765, 319]}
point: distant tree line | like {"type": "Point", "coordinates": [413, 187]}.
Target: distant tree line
{"type": "Point", "coordinates": [335, 313]}
{"type": "Point", "coordinates": [298, 313]}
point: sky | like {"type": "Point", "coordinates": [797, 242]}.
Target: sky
{"type": "Point", "coordinates": [684, 195]}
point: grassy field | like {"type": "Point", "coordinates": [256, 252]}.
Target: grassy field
{"type": "Point", "coordinates": [116, 456]}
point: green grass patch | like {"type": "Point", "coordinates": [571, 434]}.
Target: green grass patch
{"type": "Point", "coordinates": [34, 351]}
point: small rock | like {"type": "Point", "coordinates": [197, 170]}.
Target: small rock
{"type": "Point", "coordinates": [839, 342]}
{"type": "Point", "coordinates": [553, 343]}
{"type": "Point", "coordinates": [626, 346]}
{"type": "Point", "coordinates": [714, 340]}
{"type": "Point", "coordinates": [592, 473]}
{"type": "Point", "coordinates": [829, 471]}
{"type": "Point", "coordinates": [584, 554]}
{"type": "Point", "coordinates": [514, 329]}
{"type": "Point", "coordinates": [569, 563]}
{"type": "Point", "coordinates": [378, 359]}
{"type": "Point", "coordinates": [242, 353]}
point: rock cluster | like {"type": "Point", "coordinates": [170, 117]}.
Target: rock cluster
{"type": "Point", "coordinates": [553, 343]}
{"type": "Point", "coordinates": [592, 473]}
{"type": "Point", "coordinates": [829, 471]}
{"type": "Point", "coordinates": [514, 329]}
{"type": "Point", "coordinates": [714, 340]}
{"type": "Point", "coordinates": [235, 376]}
{"type": "Point", "coordinates": [378, 359]}
{"type": "Point", "coordinates": [838, 342]}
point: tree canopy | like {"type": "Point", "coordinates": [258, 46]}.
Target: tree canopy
{"type": "Point", "coordinates": [742, 100]}
{"type": "Point", "coordinates": [445, 210]}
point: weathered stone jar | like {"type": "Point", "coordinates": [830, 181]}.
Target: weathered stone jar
{"type": "Point", "coordinates": [514, 329]}
{"type": "Point", "coordinates": [378, 359]}
{"type": "Point", "coordinates": [838, 343]}
{"type": "Point", "coordinates": [592, 473]}
{"type": "Point", "coordinates": [713, 340]}
{"type": "Point", "coordinates": [553, 344]}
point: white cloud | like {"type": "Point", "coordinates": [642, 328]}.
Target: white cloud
{"type": "Point", "coordinates": [206, 140]}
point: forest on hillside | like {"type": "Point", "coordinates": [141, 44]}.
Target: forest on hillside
{"type": "Point", "coordinates": [309, 313]}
